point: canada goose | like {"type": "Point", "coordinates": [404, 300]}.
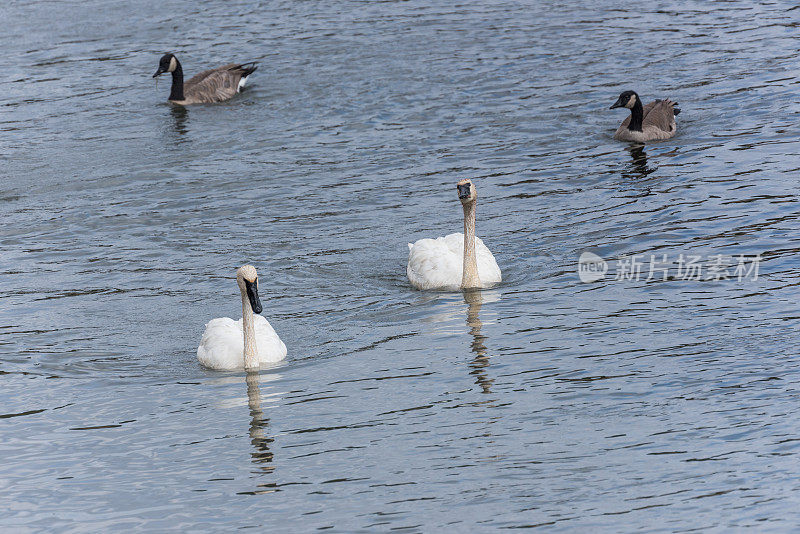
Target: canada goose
{"type": "Point", "coordinates": [652, 122]}
{"type": "Point", "coordinates": [248, 342]}
{"type": "Point", "coordinates": [213, 85]}
{"type": "Point", "coordinates": [452, 262]}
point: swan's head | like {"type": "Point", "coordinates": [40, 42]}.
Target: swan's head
{"type": "Point", "coordinates": [466, 191]}
{"type": "Point", "coordinates": [167, 63]}
{"type": "Point", "coordinates": [627, 99]}
{"type": "Point", "coordinates": [247, 278]}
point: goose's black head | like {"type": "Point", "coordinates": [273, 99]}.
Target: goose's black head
{"type": "Point", "coordinates": [627, 99]}
{"type": "Point", "coordinates": [167, 63]}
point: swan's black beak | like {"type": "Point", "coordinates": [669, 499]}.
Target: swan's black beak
{"type": "Point", "coordinates": [463, 191]}
{"type": "Point", "coordinates": [252, 295]}
{"type": "Point", "coordinates": [159, 72]}
{"type": "Point", "coordinates": [618, 104]}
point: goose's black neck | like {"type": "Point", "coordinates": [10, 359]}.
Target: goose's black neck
{"type": "Point", "coordinates": [177, 83]}
{"type": "Point", "coordinates": [637, 115]}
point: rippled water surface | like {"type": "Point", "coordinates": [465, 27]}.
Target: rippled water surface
{"type": "Point", "coordinates": [617, 405]}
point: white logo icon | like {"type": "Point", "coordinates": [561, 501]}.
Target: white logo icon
{"type": "Point", "coordinates": [591, 267]}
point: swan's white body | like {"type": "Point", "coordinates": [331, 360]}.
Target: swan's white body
{"type": "Point", "coordinates": [244, 344]}
{"type": "Point", "coordinates": [439, 263]}
{"type": "Point", "coordinates": [222, 344]}
{"type": "Point", "coordinates": [454, 262]}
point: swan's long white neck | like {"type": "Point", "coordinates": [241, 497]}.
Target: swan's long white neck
{"type": "Point", "coordinates": [249, 331]}
{"type": "Point", "coordinates": [470, 278]}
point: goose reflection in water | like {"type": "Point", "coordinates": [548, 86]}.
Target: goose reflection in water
{"type": "Point", "coordinates": [638, 167]}
{"type": "Point", "coordinates": [479, 364]}
{"type": "Point", "coordinates": [261, 455]}
{"type": "Point", "coordinates": [179, 116]}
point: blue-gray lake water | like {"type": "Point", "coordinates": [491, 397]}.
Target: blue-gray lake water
{"type": "Point", "coordinates": [617, 405]}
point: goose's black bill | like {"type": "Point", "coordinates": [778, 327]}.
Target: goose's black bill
{"type": "Point", "coordinates": [463, 191]}
{"type": "Point", "coordinates": [159, 72]}
{"type": "Point", "coordinates": [618, 104]}
{"type": "Point", "coordinates": [252, 295]}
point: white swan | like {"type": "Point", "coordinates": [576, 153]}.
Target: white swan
{"type": "Point", "coordinates": [246, 343]}
{"type": "Point", "coordinates": [451, 262]}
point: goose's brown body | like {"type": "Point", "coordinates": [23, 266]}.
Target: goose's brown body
{"type": "Point", "coordinates": [209, 86]}
{"type": "Point", "coordinates": [658, 122]}
{"type": "Point", "coordinates": [652, 122]}
{"type": "Point", "coordinates": [215, 85]}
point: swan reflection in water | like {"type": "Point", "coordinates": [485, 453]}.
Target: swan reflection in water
{"type": "Point", "coordinates": [480, 363]}
{"type": "Point", "coordinates": [450, 312]}
{"type": "Point", "coordinates": [261, 455]}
